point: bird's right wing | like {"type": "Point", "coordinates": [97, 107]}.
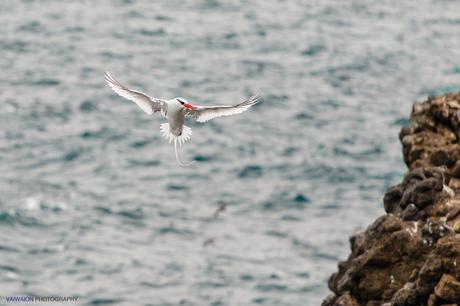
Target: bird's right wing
{"type": "Point", "coordinates": [205, 113]}
{"type": "Point", "coordinates": [146, 103]}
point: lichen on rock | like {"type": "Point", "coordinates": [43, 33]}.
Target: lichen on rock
{"type": "Point", "coordinates": [411, 255]}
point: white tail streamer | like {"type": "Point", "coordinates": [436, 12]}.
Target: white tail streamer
{"type": "Point", "coordinates": [177, 156]}
{"type": "Point", "coordinates": [170, 137]}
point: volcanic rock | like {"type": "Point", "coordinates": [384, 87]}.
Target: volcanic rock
{"type": "Point", "coordinates": [411, 254]}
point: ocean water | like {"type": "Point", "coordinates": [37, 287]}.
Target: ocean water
{"type": "Point", "coordinates": [92, 202]}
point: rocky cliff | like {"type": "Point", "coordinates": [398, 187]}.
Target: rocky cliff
{"type": "Point", "coordinates": [411, 254]}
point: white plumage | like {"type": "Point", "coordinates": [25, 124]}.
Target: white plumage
{"type": "Point", "coordinates": [206, 113]}
{"type": "Point", "coordinates": [146, 103]}
{"type": "Point", "coordinates": [166, 132]}
{"type": "Point", "coordinates": [175, 111]}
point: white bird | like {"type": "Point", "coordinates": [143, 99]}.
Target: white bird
{"type": "Point", "coordinates": [175, 110]}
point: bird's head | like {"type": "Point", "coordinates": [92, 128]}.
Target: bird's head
{"type": "Point", "coordinates": [186, 104]}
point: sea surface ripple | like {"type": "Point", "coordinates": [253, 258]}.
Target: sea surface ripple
{"type": "Point", "coordinates": [92, 202]}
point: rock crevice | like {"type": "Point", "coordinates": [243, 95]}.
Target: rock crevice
{"type": "Point", "coordinates": [411, 255]}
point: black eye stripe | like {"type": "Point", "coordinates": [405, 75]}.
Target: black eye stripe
{"type": "Point", "coordinates": [181, 101]}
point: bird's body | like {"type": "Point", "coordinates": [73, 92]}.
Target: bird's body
{"type": "Point", "coordinates": [175, 111]}
{"type": "Point", "coordinates": [175, 116]}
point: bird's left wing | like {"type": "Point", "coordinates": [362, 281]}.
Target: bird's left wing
{"type": "Point", "coordinates": [205, 113]}
{"type": "Point", "coordinates": [146, 103]}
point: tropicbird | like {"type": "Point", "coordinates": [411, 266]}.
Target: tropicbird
{"type": "Point", "coordinates": [175, 110]}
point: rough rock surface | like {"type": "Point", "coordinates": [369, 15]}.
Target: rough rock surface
{"type": "Point", "coordinates": [411, 255]}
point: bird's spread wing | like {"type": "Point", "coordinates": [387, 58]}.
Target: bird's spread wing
{"type": "Point", "coordinates": [146, 103]}
{"type": "Point", "coordinates": [205, 113]}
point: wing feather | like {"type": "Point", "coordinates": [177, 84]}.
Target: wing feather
{"type": "Point", "coordinates": [146, 103]}
{"type": "Point", "coordinates": [205, 113]}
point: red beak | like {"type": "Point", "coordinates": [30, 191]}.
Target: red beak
{"type": "Point", "coordinates": [190, 106]}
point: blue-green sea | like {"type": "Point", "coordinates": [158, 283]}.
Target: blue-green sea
{"type": "Point", "coordinates": [92, 201]}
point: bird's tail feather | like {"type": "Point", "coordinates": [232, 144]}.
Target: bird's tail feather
{"type": "Point", "coordinates": [170, 137]}
{"type": "Point", "coordinates": [166, 132]}
{"type": "Point", "coordinates": [177, 156]}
